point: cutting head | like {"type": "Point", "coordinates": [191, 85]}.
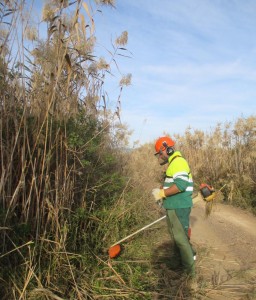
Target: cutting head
{"type": "Point", "coordinates": [114, 251]}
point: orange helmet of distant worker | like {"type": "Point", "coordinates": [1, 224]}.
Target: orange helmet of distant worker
{"type": "Point", "coordinates": [162, 143]}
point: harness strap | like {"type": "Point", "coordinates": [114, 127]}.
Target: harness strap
{"type": "Point", "coordinates": [172, 161]}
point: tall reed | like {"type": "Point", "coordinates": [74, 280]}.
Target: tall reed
{"type": "Point", "coordinates": [59, 167]}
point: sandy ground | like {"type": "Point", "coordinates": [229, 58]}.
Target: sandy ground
{"type": "Point", "coordinates": [225, 242]}
{"type": "Point", "coordinates": [226, 258]}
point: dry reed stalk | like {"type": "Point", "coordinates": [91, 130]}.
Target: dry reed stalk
{"type": "Point", "coordinates": [115, 272]}
{"type": "Point", "coordinates": [30, 275]}
{"type": "Point", "coordinates": [16, 249]}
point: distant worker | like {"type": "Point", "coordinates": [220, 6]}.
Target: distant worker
{"type": "Point", "coordinates": [176, 196]}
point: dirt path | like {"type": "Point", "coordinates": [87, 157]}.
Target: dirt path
{"type": "Point", "coordinates": [226, 258]}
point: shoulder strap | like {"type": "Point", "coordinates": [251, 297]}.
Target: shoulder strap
{"type": "Point", "coordinates": [173, 160]}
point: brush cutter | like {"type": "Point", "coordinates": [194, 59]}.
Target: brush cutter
{"type": "Point", "coordinates": [115, 249]}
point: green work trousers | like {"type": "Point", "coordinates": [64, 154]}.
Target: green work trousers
{"type": "Point", "coordinates": [178, 224]}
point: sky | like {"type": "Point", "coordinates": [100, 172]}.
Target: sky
{"type": "Point", "coordinates": [193, 63]}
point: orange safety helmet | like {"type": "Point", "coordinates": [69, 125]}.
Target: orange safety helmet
{"type": "Point", "coordinates": [162, 143]}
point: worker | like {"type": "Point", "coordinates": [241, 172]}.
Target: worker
{"type": "Point", "coordinates": [176, 197]}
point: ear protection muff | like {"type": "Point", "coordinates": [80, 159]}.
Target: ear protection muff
{"type": "Point", "coordinates": [169, 150]}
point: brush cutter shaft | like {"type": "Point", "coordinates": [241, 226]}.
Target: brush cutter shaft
{"type": "Point", "coordinates": [143, 228]}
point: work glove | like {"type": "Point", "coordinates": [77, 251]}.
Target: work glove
{"type": "Point", "coordinates": [158, 194]}
{"type": "Point", "coordinates": [211, 197]}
